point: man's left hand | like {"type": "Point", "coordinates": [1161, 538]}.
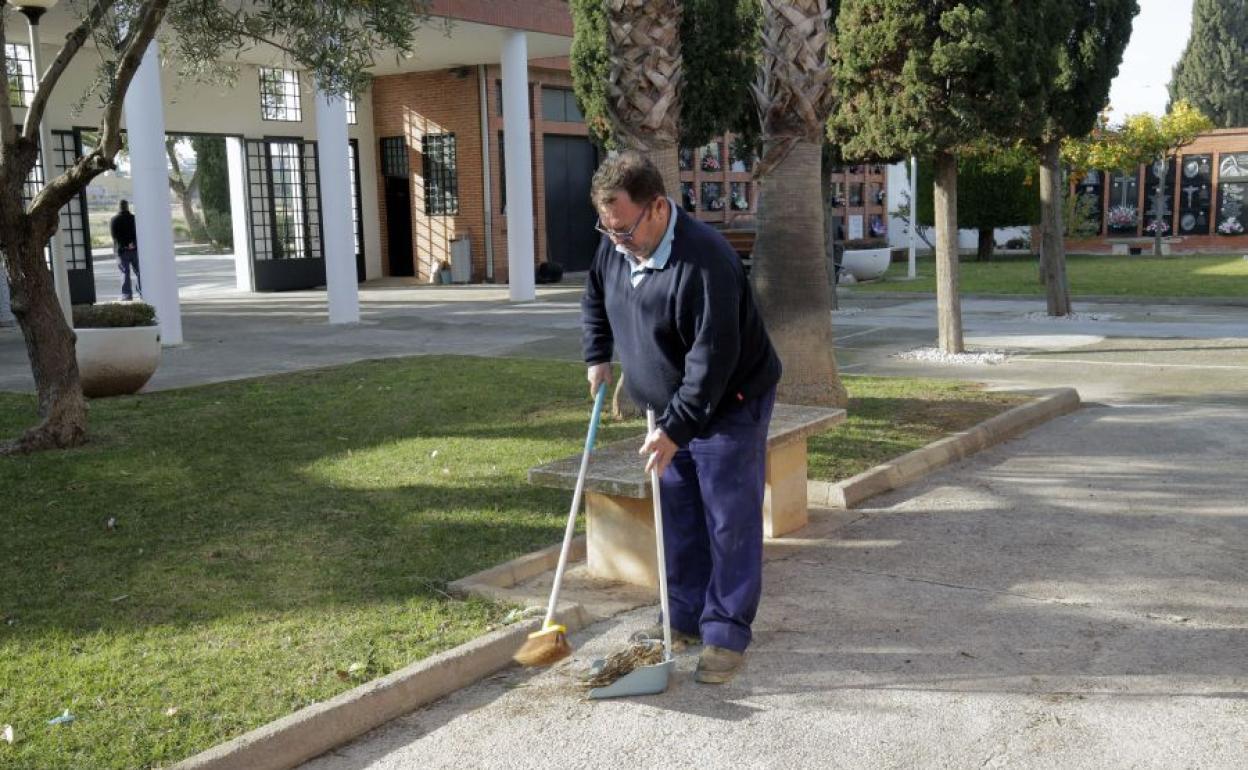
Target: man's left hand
{"type": "Point", "coordinates": [660, 449]}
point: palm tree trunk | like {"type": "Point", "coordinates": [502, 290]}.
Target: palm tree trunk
{"type": "Point", "coordinates": [62, 408]}
{"type": "Point", "coordinates": [948, 304]}
{"type": "Point", "coordinates": [790, 274]}
{"type": "Point", "coordinates": [1052, 242]}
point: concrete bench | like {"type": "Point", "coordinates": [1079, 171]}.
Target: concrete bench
{"type": "Point", "coordinates": [618, 507]}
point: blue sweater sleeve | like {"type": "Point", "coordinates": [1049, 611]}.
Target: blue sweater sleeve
{"type": "Point", "coordinates": [597, 340]}
{"type": "Point", "coordinates": [708, 306]}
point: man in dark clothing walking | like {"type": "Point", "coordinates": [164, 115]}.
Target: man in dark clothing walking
{"type": "Point", "coordinates": [670, 296]}
{"type": "Point", "coordinates": [126, 247]}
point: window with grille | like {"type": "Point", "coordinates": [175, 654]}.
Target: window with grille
{"type": "Point", "coordinates": [21, 74]}
{"type": "Point", "coordinates": [279, 95]}
{"type": "Point", "coordinates": [356, 216]}
{"type": "Point", "coordinates": [353, 117]}
{"type": "Point", "coordinates": [283, 191]}
{"type": "Point", "coordinates": [394, 157]}
{"type": "Point", "coordinates": [441, 177]}
{"type": "Point", "coordinates": [75, 237]}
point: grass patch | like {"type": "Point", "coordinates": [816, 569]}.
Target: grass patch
{"type": "Point", "coordinates": [889, 416]}
{"type": "Point", "coordinates": [1093, 275]}
{"type": "Point", "coordinates": [283, 539]}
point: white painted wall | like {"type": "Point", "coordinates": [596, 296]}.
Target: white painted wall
{"type": "Point", "coordinates": [899, 236]}
{"type": "Point", "coordinates": [192, 107]}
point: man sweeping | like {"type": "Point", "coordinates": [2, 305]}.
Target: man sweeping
{"type": "Point", "coordinates": [669, 295]}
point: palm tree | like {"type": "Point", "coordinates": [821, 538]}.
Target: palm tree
{"type": "Point", "coordinates": [643, 84]}
{"type": "Point", "coordinates": [790, 269]}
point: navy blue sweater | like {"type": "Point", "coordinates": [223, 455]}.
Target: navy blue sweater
{"type": "Point", "coordinates": [689, 336]}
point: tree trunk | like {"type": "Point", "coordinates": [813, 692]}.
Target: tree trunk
{"type": "Point", "coordinates": [948, 304]}
{"type": "Point", "coordinates": [986, 245]}
{"type": "Point", "coordinates": [199, 233]}
{"type": "Point", "coordinates": [790, 274]}
{"type": "Point", "coordinates": [1052, 241]}
{"type": "Point", "coordinates": [62, 409]}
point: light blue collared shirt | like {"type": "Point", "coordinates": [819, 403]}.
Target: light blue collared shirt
{"type": "Point", "coordinates": [662, 252]}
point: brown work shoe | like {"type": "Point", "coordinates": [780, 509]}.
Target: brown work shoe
{"type": "Point", "coordinates": [717, 665]}
{"type": "Point", "coordinates": [680, 640]}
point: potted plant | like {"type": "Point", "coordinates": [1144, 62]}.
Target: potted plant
{"type": "Point", "coordinates": [118, 347]}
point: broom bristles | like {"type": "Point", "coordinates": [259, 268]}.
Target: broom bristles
{"type": "Point", "coordinates": [542, 648]}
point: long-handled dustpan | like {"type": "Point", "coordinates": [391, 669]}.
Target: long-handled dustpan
{"type": "Point", "coordinates": [647, 680]}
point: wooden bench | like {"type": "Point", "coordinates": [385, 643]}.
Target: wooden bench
{"type": "Point", "coordinates": [618, 507]}
{"type": "Point", "coordinates": [742, 242]}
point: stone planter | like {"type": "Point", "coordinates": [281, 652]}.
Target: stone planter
{"type": "Point", "coordinates": [118, 361]}
{"type": "Point", "coordinates": [866, 264]}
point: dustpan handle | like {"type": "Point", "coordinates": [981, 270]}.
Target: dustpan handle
{"type": "Point", "coordinates": [570, 529]}
{"type": "Point", "coordinates": [658, 539]}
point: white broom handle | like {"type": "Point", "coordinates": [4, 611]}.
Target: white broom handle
{"type": "Point", "coordinates": [658, 539]}
{"type": "Point", "coordinates": [576, 505]}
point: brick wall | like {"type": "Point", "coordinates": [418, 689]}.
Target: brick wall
{"type": "Point", "coordinates": [413, 105]}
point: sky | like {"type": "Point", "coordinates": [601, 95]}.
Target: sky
{"type": "Point", "coordinates": [1158, 38]}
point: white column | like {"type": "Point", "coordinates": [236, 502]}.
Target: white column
{"type": "Point", "coordinates": [334, 153]}
{"type": "Point", "coordinates": [145, 126]}
{"type": "Point", "coordinates": [914, 212]}
{"type": "Point", "coordinates": [519, 160]}
{"type": "Point", "coordinates": [236, 161]}
{"type": "Point", "coordinates": [60, 270]}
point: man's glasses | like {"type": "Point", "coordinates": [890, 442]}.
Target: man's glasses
{"type": "Point", "coordinates": [623, 236]}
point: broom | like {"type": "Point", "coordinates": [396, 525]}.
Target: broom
{"type": "Point", "coordinates": [550, 644]}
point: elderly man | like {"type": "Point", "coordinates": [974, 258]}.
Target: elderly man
{"type": "Point", "coordinates": [669, 295]}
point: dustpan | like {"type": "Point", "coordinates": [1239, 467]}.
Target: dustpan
{"type": "Point", "coordinates": [647, 680]}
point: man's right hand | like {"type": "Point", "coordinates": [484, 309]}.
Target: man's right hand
{"type": "Point", "coordinates": [598, 375]}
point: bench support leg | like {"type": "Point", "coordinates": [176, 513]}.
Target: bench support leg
{"type": "Point", "coordinates": [620, 538]}
{"type": "Point", "coordinates": [784, 496]}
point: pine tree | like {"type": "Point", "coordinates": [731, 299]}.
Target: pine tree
{"type": "Point", "coordinates": [214, 188]}
{"type": "Point", "coordinates": [1212, 74]}
{"type": "Point", "coordinates": [930, 78]}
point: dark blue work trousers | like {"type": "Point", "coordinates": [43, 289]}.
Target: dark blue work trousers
{"type": "Point", "coordinates": [127, 260]}
{"type": "Point", "coordinates": [713, 524]}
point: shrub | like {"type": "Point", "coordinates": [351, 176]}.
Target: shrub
{"type": "Point", "coordinates": [114, 315]}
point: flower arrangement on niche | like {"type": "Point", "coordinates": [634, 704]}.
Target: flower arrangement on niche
{"type": "Point", "coordinates": [710, 163]}
{"type": "Point", "coordinates": [1230, 226]}
{"type": "Point", "coordinates": [1157, 227]}
{"type": "Point", "coordinates": [1122, 216]}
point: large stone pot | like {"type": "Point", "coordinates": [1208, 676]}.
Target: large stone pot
{"type": "Point", "coordinates": [866, 264]}
{"type": "Point", "coordinates": [118, 361]}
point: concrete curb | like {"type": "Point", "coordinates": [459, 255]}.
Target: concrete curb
{"type": "Point", "coordinates": [1107, 299]}
{"type": "Point", "coordinates": [517, 570]}
{"type": "Point", "coordinates": [917, 464]}
{"type": "Point", "coordinates": [314, 730]}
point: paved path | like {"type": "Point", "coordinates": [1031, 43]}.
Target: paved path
{"type": "Point", "coordinates": [1074, 599]}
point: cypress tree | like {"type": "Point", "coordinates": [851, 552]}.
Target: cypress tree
{"type": "Point", "coordinates": [1212, 74]}
{"type": "Point", "coordinates": [214, 188]}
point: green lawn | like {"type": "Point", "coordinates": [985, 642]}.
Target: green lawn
{"type": "Point", "coordinates": [280, 540]}
{"type": "Point", "coordinates": [1224, 275]}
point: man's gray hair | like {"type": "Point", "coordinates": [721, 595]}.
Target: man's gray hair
{"type": "Point", "coordinates": [629, 172]}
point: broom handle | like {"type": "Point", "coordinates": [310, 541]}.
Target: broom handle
{"type": "Point", "coordinates": [576, 505]}
{"type": "Point", "coordinates": [658, 539]}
